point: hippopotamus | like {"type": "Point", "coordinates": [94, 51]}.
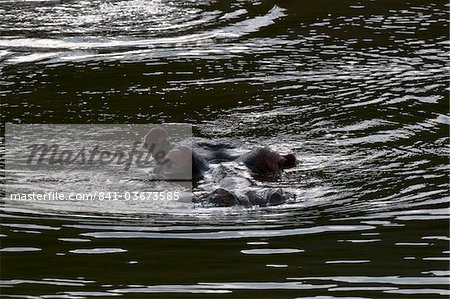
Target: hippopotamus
{"type": "Point", "coordinates": [192, 162]}
{"type": "Point", "coordinates": [262, 161]}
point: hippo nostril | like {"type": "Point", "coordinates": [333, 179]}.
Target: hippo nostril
{"type": "Point", "coordinates": [223, 198]}
{"type": "Point", "coordinates": [182, 162]}
{"type": "Point", "coordinates": [276, 197]}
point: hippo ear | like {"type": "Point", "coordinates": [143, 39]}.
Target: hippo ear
{"type": "Point", "coordinates": [155, 139]}
{"type": "Point", "coordinates": [288, 161]}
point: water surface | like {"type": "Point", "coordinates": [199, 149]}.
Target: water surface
{"type": "Point", "coordinates": [358, 90]}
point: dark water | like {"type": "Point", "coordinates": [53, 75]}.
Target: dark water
{"type": "Point", "coordinates": [357, 89]}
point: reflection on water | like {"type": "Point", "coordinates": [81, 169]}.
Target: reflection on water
{"type": "Point", "coordinates": [358, 90]}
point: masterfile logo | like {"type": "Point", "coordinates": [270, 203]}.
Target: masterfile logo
{"type": "Point", "coordinates": [56, 152]}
